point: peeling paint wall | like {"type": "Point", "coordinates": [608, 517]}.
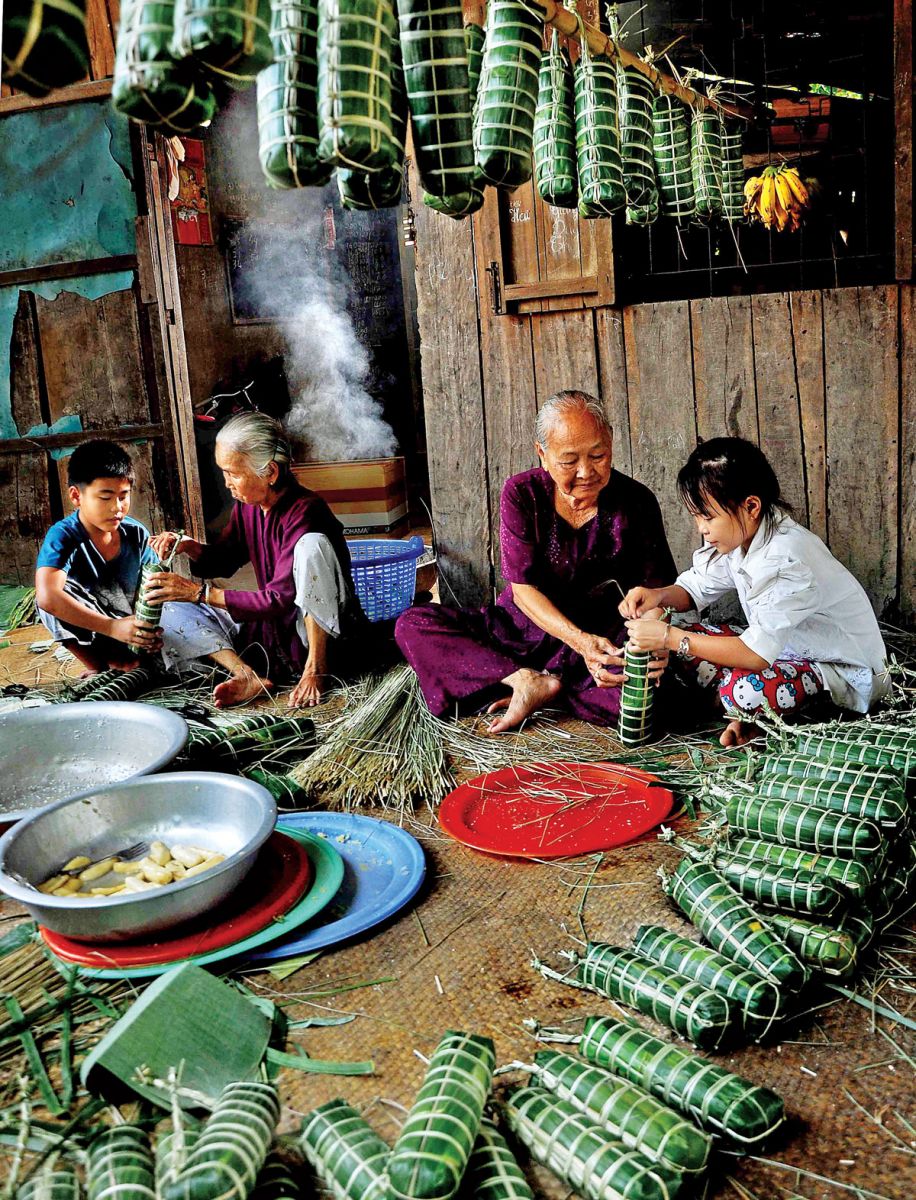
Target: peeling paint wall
{"type": "Point", "coordinates": [67, 196]}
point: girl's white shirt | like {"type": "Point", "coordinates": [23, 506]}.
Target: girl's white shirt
{"type": "Point", "coordinates": [800, 603]}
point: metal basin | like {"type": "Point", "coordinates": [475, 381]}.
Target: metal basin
{"type": "Point", "coordinates": [64, 750]}
{"type": "Point", "coordinates": [224, 813]}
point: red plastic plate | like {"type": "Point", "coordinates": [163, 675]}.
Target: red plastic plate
{"type": "Point", "coordinates": [555, 810]}
{"type": "Point", "coordinates": [280, 877]}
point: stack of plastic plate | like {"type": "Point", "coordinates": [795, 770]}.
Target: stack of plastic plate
{"type": "Point", "coordinates": [321, 879]}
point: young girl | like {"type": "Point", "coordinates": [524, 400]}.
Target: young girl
{"type": "Point", "coordinates": [810, 626]}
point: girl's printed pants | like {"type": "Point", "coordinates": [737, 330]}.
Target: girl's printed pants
{"type": "Point", "coordinates": [785, 686]}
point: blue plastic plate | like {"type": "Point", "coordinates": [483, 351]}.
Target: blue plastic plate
{"type": "Point", "coordinates": [383, 870]}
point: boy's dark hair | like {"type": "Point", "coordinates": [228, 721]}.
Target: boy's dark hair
{"type": "Point", "coordinates": [98, 459]}
{"type": "Point", "coordinates": [727, 470]}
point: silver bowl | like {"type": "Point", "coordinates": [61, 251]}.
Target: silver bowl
{"type": "Point", "coordinates": [224, 813]}
{"type": "Point", "coordinates": [62, 750]}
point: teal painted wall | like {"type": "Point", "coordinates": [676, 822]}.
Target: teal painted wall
{"type": "Point", "coordinates": [67, 195]}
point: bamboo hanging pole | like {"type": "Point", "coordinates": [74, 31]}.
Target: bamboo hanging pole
{"type": "Point", "coordinates": [599, 43]}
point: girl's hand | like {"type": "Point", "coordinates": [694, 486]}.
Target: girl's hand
{"type": "Point", "coordinates": [161, 545]}
{"type": "Point", "coordinates": [130, 632]}
{"type": "Point", "coordinates": [599, 654]}
{"type": "Point", "coordinates": [657, 666]}
{"type": "Point", "coordinates": [646, 634]}
{"type": "Point", "coordinates": [166, 585]}
{"type": "Point", "coordinates": [638, 601]}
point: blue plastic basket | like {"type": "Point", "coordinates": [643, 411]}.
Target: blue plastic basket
{"type": "Point", "coordinates": [385, 575]}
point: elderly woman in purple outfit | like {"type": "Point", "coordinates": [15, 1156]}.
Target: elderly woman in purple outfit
{"type": "Point", "coordinates": [572, 532]}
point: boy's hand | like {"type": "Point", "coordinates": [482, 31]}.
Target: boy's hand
{"type": "Point", "coordinates": [129, 631]}
{"type": "Point", "coordinates": [638, 601]}
{"type": "Point", "coordinates": [646, 634]}
{"type": "Point", "coordinates": [161, 544]}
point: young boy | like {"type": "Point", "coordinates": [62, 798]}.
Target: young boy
{"type": "Point", "coordinates": [89, 563]}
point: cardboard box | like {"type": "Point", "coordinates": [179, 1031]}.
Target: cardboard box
{"type": "Point", "coordinates": [368, 497]}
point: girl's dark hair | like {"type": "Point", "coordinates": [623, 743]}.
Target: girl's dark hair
{"type": "Point", "coordinates": [98, 459]}
{"type": "Point", "coordinates": [727, 470]}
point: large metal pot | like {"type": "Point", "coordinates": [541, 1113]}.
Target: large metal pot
{"type": "Point", "coordinates": [223, 813]}
{"type": "Point", "coordinates": [62, 750]}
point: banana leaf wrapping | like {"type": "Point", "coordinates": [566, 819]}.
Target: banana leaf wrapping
{"type": "Point", "coordinates": [635, 96]}
{"type": "Point", "coordinates": [435, 58]}
{"type": "Point", "coordinates": [149, 85]}
{"type": "Point", "coordinates": [690, 1009]}
{"type": "Point", "coordinates": [853, 876]}
{"type": "Point", "coordinates": [866, 800]}
{"type": "Point", "coordinates": [120, 1165]}
{"type": "Point", "coordinates": [229, 39]}
{"type": "Point", "coordinates": [381, 189]}
{"type": "Point", "coordinates": [706, 163]}
{"type": "Point", "coordinates": [639, 1120]}
{"type": "Point", "coordinates": [860, 925]}
{"type": "Point", "coordinates": [232, 1146]}
{"type": "Point", "coordinates": [580, 1152]}
{"type": "Point", "coordinates": [601, 190]}
{"type": "Point", "coordinates": [431, 1153]}
{"type": "Point", "coordinates": [781, 887]}
{"type": "Point", "coordinates": [792, 823]}
{"type": "Point", "coordinates": [44, 44]}
{"type": "Point", "coordinates": [507, 94]}
{"type": "Point", "coordinates": [355, 39]}
{"type": "Point", "coordinates": [492, 1172]}
{"type": "Point", "coordinates": [634, 724]}
{"type": "Point", "coordinates": [172, 1149]}
{"type": "Point", "coordinates": [801, 766]}
{"type": "Point", "coordinates": [275, 1181]}
{"type": "Point", "coordinates": [861, 744]}
{"type": "Point", "coordinates": [671, 150]}
{"type": "Point", "coordinates": [51, 1183]}
{"type": "Point", "coordinates": [823, 948]}
{"type": "Point", "coordinates": [554, 137]}
{"type": "Point", "coordinates": [347, 1154]}
{"type": "Point", "coordinates": [890, 892]}
{"type": "Point", "coordinates": [717, 1099]}
{"type": "Point", "coordinates": [732, 171]}
{"type": "Point", "coordinates": [288, 99]}
{"type": "Point", "coordinates": [731, 926]}
{"type": "Point", "coordinates": [474, 38]}
{"type": "Point", "coordinates": [755, 998]}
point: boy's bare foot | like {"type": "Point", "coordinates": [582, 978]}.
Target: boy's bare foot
{"type": "Point", "coordinates": [240, 688]}
{"type": "Point", "coordinates": [739, 733]}
{"type": "Point", "coordinates": [530, 691]}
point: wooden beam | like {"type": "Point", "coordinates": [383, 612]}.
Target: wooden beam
{"type": "Point", "coordinates": [903, 138]}
{"type": "Point", "coordinates": [60, 441]}
{"type": "Point", "coordinates": [599, 43]}
{"type": "Point", "coordinates": [550, 287]}
{"type": "Point", "coordinates": [93, 89]}
{"type": "Point", "coordinates": [68, 270]}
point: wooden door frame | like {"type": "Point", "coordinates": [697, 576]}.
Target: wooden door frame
{"type": "Point", "coordinates": [159, 277]}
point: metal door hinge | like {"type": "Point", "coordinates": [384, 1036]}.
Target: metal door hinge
{"type": "Point", "coordinates": [496, 289]}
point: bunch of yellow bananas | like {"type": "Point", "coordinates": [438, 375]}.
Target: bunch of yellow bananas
{"type": "Point", "coordinates": [778, 198]}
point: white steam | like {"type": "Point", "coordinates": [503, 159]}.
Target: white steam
{"type": "Point", "coordinates": [298, 283]}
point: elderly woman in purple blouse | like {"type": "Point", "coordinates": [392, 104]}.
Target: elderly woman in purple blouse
{"type": "Point", "coordinates": [305, 605]}
{"type": "Point", "coordinates": [572, 532]}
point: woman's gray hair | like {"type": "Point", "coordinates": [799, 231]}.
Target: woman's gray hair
{"type": "Point", "coordinates": [260, 439]}
{"type": "Point", "coordinates": [560, 405]}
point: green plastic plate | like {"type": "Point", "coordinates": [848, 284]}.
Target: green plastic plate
{"type": "Point", "coordinates": [328, 873]}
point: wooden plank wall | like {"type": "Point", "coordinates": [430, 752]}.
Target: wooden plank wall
{"type": "Point", "coordinates": [824, 381]}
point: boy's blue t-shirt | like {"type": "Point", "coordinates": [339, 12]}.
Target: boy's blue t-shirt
{"type": "Point", "coordinates": [110, 587]}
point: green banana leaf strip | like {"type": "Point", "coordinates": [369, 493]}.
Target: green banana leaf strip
{"type": "Point", "coordinates": [671, 149]}
{"type": "Point", "coordinates": [706, 163]}
{"type": "Point", "coordinates": [601, 190]}
{"type": "Point", "coordinates": [474, 37]}
{"type": "Point", "coordinates": [732, 171]}
{"type": "Point", "coordinates": [554, 135]}
{"type": "Point", "coordinates": [152, 87]}
{"type": "Point", "coordinates": [507, 94]}
{"type": "Point", "coordinates": [44, 44]}
{"type": "Point", "coordinates": [382, 189]}
{"type": "Point", "coordinates": [346, 1153]}
{"type": "Point", "coordinates": [229, 39]}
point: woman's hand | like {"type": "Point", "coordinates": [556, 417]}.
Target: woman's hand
{"type": "Point", "coordinates": [657, 667]}
{"type": "Point", "coordinates": [647, 634]}
{"type": "Point", "coordinates": [166, 585]}
{"type": "Point", "coordinates": [309, 690]}
{"type": "Point", "coordinates": [639, 601]}
{"type": "Point", "coordinates": [163, 544]}
{"type": "Point", "coordinates": [599, 654]}
{"type": "Point", "coordinates": [131, 632]}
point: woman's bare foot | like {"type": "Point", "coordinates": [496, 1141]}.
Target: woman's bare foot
{"type": "Point", "coordinates": [738, 733]}
{"type": "Point", "coordinates": [241, 687]}
{"type": "Point", "coordinates": [530, 691]}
